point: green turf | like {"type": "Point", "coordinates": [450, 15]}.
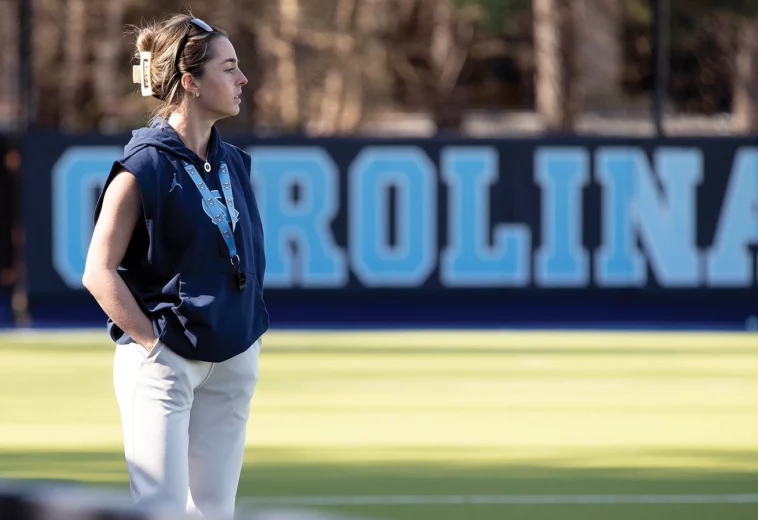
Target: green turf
{"type": "Point", "coordinates": [447, 413]}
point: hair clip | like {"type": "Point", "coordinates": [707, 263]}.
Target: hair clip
{"type": "Point", "coordinates": [141, 73]}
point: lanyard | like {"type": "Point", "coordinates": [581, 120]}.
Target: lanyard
{"type": "Point", "coordinates": [218, 213]}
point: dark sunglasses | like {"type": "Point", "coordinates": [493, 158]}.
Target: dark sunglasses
{"type": "Point", "coordinates": [197, 22]}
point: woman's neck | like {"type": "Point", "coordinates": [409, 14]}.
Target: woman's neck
{"type": "Point", "coordinates": [195, 133]}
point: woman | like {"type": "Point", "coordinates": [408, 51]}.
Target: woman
{"type": "Point", "coordinates": [176, 262]}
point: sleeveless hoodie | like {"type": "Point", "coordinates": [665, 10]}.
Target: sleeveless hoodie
{"type": "Point", "coordinates": [177, 264]}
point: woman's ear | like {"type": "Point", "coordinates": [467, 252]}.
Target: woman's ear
{"type": "Point", "coordinates": [189, 84]}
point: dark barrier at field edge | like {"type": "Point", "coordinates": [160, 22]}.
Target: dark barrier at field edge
{"type": "Point", "coordinates": [452, 232]}
{"type": "Point", "coordinates": [8, 193]}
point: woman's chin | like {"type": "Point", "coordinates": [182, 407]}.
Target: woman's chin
{"type": "Point", "coordinates": [227, 112]}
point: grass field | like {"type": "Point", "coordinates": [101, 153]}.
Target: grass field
{"type": "Point", "coordinates": [436, 425]}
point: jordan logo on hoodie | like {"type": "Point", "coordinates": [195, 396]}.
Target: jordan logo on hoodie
{"type": "Point", "coordinates": [175, 184]}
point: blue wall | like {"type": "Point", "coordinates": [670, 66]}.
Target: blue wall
{"type": "Point", "coordinates": [451, 231]}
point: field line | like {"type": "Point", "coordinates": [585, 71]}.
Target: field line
{"type": "Point", "coordinates": [412, 500]}
{"type": "Point", "coordinates": [390, 340]}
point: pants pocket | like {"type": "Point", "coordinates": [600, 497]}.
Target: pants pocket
{"type": "Point", "coordinates": [153, 351]}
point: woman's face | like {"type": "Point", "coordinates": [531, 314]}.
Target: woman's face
{"type": "Point", "coordinates": [220, 87]}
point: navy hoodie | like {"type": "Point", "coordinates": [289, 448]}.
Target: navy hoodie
{"type": "Point", "coordinates": [177, 264]}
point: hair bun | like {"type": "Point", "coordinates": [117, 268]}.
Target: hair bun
{"type": "Point", "coordinates": [146, 42]}
{"type": "Point", "coordinates": [146, 39]}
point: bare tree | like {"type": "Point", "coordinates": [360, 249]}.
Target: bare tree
{"type": "Point", "coordinates": [599, 49]}
{"type": "Point", "coordinates": [339, 104]}
{"type": "Point", "coordinates": [73, 69]}
{"type": "Point", "coordinates": [745, 93]}
{"type": "Point", "coordinates": [429, 42]}
{"type": "Point", "coordinates": [317, 60]}
{"type": "Point", "coordinates": [9, 99]}
{"type": "Point", "coordinates": [278, 97]}
{"type": "Point", "coordinates": [557, 82]}
{"type": "Point", "coordinates": [106, 53]}
{"type": "Point", "coordinates": [326, 120]}
{"type": "Point", "coordinates": [289, 11]}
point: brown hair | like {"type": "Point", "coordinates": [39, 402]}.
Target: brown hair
{"type": "Point", "coordinates": [166, 70]}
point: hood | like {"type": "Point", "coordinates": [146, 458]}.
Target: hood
{"type": "Point", "coordinates": [163, 137]}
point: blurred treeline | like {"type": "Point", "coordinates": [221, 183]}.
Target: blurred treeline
{"type": "Point", "coordinates": [333, 66]}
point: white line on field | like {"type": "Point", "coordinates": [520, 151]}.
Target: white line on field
{"type": "Point", "coordinates": [381, 500]}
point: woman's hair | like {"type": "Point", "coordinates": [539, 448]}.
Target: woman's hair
{"type": "Point", "coordinates": [176, 34]}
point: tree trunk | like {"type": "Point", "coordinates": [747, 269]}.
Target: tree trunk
{"type": "Point", "coordinates": [289, 97]}
{"type": "Point", "coordinates": [599, 52]}
{"type": "Point", "coordinates": [326, 119]}
{"type": "Point", "coordinates": [557, 83]}
{"type": "Point", "coordinates": [745, 93]}
{"type": "Point", "coordinates": [74, 67]}
{"type": "Point", "coordinates": [9, 40]}
{"type": "Point", "coordinates": [106, 66]}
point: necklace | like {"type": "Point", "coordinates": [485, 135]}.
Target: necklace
{"type": "Point", "coordinates": [206, 165]}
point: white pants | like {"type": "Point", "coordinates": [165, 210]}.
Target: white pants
{"type": "Point", "coordinates": [184, 427]}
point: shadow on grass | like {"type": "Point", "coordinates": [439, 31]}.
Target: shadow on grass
{"type": "Point", "coordinates": [269, 473]}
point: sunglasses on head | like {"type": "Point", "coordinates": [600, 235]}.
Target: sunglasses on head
{"type": "Point", "coordinates": [197, 22]}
